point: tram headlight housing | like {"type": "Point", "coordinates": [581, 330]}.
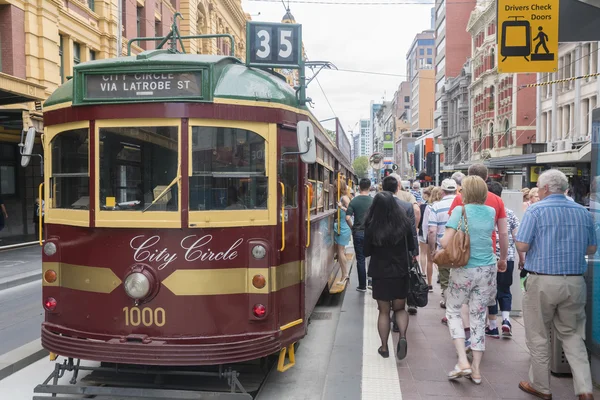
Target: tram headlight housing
{"type": "Point", "coordinates": [137, 285]}
{"type": "Point", "coordinates": [259, 252]}
{"type": "Point", "coordinates": [50, 249]}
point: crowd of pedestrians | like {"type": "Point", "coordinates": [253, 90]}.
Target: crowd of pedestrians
{"type": "Point", "coordinates": [398, 227]}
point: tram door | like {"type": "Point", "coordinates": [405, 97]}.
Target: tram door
{"type": "Point", "coordinates": [291, 304]}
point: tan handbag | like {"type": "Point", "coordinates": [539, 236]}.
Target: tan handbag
{"type": "Point", "coordinates": [457, 253]}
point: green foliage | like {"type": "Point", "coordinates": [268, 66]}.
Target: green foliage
{"type": "Point", "coordinates": [361, 166]}
{"type": "Point", "coordinates": [331, 134]}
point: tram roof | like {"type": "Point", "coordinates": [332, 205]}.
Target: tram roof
{"type": "Point", "coordinates": [222, 77]}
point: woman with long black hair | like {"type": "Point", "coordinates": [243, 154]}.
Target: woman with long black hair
{"type": "Point", "coordinates": [388, 241]}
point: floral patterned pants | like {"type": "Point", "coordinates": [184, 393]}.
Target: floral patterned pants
{"type": "Point", "coordinates": [474, 287]}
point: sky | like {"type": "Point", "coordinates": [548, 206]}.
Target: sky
{"type": "Point", "coordinates": [370, 37]}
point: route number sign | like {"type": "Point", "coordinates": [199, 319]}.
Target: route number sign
{"type": "Point", "coordinates": [527, 36]}
{"type": "Point", "coordinates": [273, 45]}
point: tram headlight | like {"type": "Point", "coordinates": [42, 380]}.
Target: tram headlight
{"type": "Point", "coordinates": [50, 249]}
{"type": "Point", "coordinates": [137, 285]}
{"type": "Point", "coordinates": [259, 252]}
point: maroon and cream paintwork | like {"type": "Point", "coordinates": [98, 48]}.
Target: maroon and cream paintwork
{"type": "Point", "coordinates": [206, 329]}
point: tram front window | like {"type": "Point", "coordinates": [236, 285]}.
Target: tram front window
{"type": "Point", "coordinates": [137, 164]}
{"type": "Point", "coordinates": [229, 170]}
{"type": "Point", "coordinates": [70, 179]}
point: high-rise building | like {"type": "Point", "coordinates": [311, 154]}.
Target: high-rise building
{"type": "Point", "coordinates": [41, 42]}
{"type": "Point", "coordinates": [451, 19]}
{"type": "Point", "coordinates": [355, 145]}
{"type": "Point", "coordinates": [366, 139]}
{"type": "Point", "coordinates": [419, 66]}
{"type": "Point", "coordinates": [373, 109]}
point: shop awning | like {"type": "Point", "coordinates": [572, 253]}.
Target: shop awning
{"type": "Point", "coordinates": [15, 90]}
{"type": "Point", "coordinates": [583, 154]}
{"type": "Point", "coordinates": [511, 161]}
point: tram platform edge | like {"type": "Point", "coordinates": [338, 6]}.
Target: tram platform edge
{"type": "Point", "coordinates": [20, 279]}
{"type": "Point", "coordinates": [21, 357]}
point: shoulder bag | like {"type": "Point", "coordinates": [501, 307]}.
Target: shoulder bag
{"type": "Point", "coordinates": [457, 252]}
{"type": "Point", "coordinates": [418, 290]}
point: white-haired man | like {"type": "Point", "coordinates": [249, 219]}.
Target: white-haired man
{"type": "Point", "coordinates": [416, 191]}
{"type": "Point", "coordinates": [556, 234]}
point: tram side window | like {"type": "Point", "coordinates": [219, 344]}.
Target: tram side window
{"type": "Point", "coordinates": [228, 170]}
{"type": "Point", "coordinates": [289, 176]}
{"type": "Point", "coordinates": [137, 166]}
{"type": "Point", "coordinates": [70, 178]}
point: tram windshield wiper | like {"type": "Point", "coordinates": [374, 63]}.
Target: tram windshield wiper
{"type": "Point", "coordinates": [164, 192]}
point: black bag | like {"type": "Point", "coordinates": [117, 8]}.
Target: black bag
{"type": "Point", "coordinates": [418, 290]}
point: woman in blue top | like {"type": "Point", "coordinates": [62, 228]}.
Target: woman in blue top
{"type": "Point", "coordinates": [343, 238]}
{"type": "Point", "coordinates": [475, 283]}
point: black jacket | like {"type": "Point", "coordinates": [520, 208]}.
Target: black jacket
{"type": "Point", "coordinates": [411, 216]}
{"type": "Point", "coordinates": [389, 261]}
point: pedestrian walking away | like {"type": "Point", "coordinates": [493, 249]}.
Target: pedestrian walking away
{"type": "Point", "coordinates": [475, 283]}
{"type": "Point", "coordinates": [556, 234]}
{"type": "Point", "coordinates": [358, 208]}
{"type": "Point", "coordinates": [388, 241]}
{"type": "Point", "coordinates": [342, 239]}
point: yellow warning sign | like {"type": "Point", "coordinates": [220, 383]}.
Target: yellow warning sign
{"type": "Point", "coordinates": [527, 36]}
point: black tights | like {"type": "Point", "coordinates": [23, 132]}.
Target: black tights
{"type": "Point", "coordinates": [383, 322]}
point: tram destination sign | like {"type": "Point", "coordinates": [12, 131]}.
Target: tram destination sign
{"type": "Point", "coordinates": [143, 86]}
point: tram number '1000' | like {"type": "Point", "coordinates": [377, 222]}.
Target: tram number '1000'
{"type": "Point", "coordinates": [134, 316]}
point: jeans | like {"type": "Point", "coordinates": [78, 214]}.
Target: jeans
{"type": "Point", "coordinates": [504, 297]}
{"type": "Point", "coordinates": [359, 238]}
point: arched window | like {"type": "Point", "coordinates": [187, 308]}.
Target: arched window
{"type": "Point", "coordinates": [506, 132]}
{"type": "Point", "coordinates": [492, 98]}
{"type": "Point", "coordinates": [479, 144]}
{"type": "Point", "coordinates": [492, 58]}
{"type": "Point", "coordinates": [491, 135]}
{"type": "Point", "coordinates": [202, 29]}
{"type": "Point", "coordinates": [457, 154]}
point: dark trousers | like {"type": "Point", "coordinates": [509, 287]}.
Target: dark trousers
{"type": "Point", "coordinates": [503, 295]}
{"type": "Point", "coordinates": [359, 239]}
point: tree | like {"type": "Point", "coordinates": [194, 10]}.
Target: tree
{"type": "Point", "coordinates": [361, 165]}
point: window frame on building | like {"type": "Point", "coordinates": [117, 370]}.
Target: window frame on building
{"type": "Point", "coordinates": [138, 19]}
{"type": "Point", "coordinates": [76, 53]}
{"type": "Point", "coordinates": [61, 54]}
{"type": "Point", "coordinates": [91, 4]}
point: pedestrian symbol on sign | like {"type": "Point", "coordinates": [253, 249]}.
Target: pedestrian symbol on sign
{"type": "Point", "coordinates": [542, 38]}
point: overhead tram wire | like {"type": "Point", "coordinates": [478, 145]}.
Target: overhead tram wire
{"type": "Point", "coordinates": [326, 98]}
{"type": "Point", "coordinates": [365, 3]}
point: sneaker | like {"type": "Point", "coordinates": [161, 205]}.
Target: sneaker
{"type": "Point", "coordinates": [445, 321]}
{"type": "Point", "coordinates": [492, 332]}
{"type": "Point", "coordinates": [370, 284]}
{"type": "Point", "coordinates": [361, 289]}
{"type": "Point", "coordinates": [395, 328]}
{"type": "Point", "coordinates": [430, 289]}
{"type": "Point", "coordinates": [443, 304]}
{"type": "Point", "coordinates": [506, 328]}
{"type": "Point", "coordinates": [412, 310]}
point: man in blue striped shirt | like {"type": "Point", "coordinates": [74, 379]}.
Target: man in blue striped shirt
{"type": "Point", "coordinates": [556, 234]}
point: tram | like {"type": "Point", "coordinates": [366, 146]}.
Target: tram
{"type": "Point", "coordinates": [190, 202]}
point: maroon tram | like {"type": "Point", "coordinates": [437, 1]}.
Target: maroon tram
{"type": "Point", "coordinates": [182, 225]}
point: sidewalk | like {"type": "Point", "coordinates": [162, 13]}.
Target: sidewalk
{"type": "Point", "coordinates": [423, 374]}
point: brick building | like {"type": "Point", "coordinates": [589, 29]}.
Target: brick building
{"type": "Point", "coordinates": [42, 40]}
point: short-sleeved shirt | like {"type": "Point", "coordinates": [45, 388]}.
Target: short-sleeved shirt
{"type": "Point", "coordinates": [358, 208]}
{"type": "Point", "coordinates": [558, 232]}
{"type": "Point", "coordinates": [439, 215]}
{"type": "Point", "coordinates": [513, 224]}
{"type": "Point", "coordinates": [492, 201]}
{"type": "Point", "coordinates": [480, 219]}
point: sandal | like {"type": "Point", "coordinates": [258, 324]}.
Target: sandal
{"type": "Point", "coordinates": [382, 353]}
{"type": "Point", "coordinates": [476, 381]}
{"type": "Point", "coordinates": [402, 348]}
{"type": "Point", "coordinates": [459, 373]}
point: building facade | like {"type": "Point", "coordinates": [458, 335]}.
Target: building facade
{"type": "Point", "coordinates": [423, 100]}
{"type": "Point", "coordinates": [40, 43]}
{"type": "Point", "coordinates": [564, 117]}
{"type": "Point", "coordinates": [452, 47]}
{"type": "Point", "coordinates": [420, 57]}
{"type": "Point", "coordinates": [503, 109]}
{"type": "Point", "coordinates": [456, 118]}
{"type": "Point", "coordinates": [366, 139]}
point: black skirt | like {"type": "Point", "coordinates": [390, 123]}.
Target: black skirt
{"type": "Point", "coordinates": [388, 289]}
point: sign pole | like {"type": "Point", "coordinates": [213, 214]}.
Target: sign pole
{"type": "Point", "coordinates": [119, 27]}
{"type": "Point", "coordinates": [437, 169]}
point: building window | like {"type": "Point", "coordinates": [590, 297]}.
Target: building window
{"type": "Point", "coordinates": [91, 4]}
{"type": "Point", "coordinates": [421, 52]}
{"type": "Point", "coordinates": [492, 58]}
{"type": "Point", "coordinates": [76, 53]}
{"type": "Point", "coordinates": [92, 55]}
{"type": "Point", "coordinates": [406, 99]}
{"type": "Point", "coordinates": [61, 55]}
{"type": "Point", "coordinates": [506, 132]}
{"type": "Point", "coordinates": [139, 22]}
{"type": "Point", "coordinates": [157, 30]}
{"type": "Point", "coordinates": [429, 51]}
{"type": "Point", "coordinates": [8, 169]}
{"type": "Point", "coordinates": [429, 61]}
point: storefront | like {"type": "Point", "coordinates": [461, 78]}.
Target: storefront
{"type": "Point", "coordinates": [509, 171]}
{"type": "Point", "coordinates": [20, 109]}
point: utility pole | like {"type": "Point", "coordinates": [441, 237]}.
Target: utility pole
{"type": "Point", "coordinates": [119, 27]}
